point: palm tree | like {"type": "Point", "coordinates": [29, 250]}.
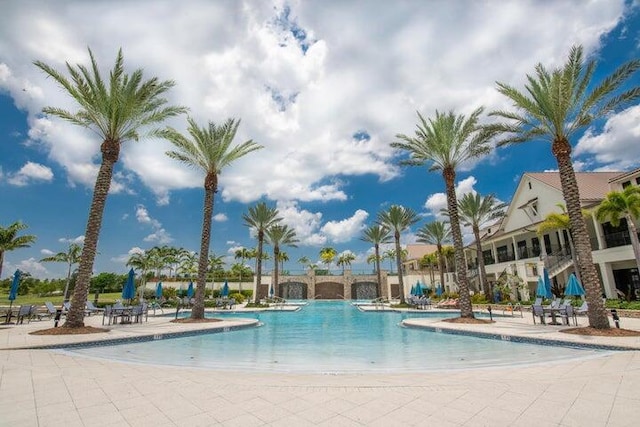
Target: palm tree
{"type": "Point", "coordinates": [475, 211]}
{"type": "Point", "coordinates": [446, 142]}
{"type": "Point", "coordinates": [242, 254]}
{"type": "Point", "coordinates": [377, 234]}
{"type": "Point", "coordinates": [9, 240]}
{"type": "Point", "coordinates": [623, 204]}
{"type": "Point", "coordinates": [209, 150]}
{"type": "Point", "coordinates": [556, 105]}
{"type": "Point", "coordinates": [436, 233]}
{"type": "Point", "coordinates": [215, 264]}
{"type": "Point", "coordinates": [188, 266]}
{"type": "Point", "coordinates": [71, 257]}
{"type": "Point", "coordinates": [430, 261]}
{"type": "Point", "coordinates": [279, 235]}
{"type": "Point", "coordinates": [260, 218]}
{"type": "Point", "coordinates": [389, 254]}
{"type": "Point", "coordinates": [327, 255]}
{"type": "Point", "coordinates": [116, 110]}
{"type": "Point", "coordinates": [345, 259]}
{"type": "Point", "coordinates": [304, 261]}
{"type": "Point", "coordinates": [561, 221]}
{"type": "Point", "coordinates": [398, 219]}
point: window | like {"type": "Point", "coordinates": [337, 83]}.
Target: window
{"type": "Point", "coordinates": [529, 185]}
{"type": "Point", "coordinates": [626, 184]}
{"type": "Point", "coordinates": [534, 208]}
{"type": "Point", "coordinates": [535, 246]}
{"type": "Point", "coordinates": [638, 180]}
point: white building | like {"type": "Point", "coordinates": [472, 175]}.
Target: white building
{"type": "Point", "coordinates": [513, 246]}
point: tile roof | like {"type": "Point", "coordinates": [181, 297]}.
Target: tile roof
{"type": "Point", "coordinates": [592, 185]}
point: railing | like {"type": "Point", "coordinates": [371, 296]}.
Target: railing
{"type": "Point", "coordinates": [557, 259]}
{"type": "Point", "coordinates": [620, 238]}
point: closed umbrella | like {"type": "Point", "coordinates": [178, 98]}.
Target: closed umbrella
{"type": "Point", "coordinates": [573, 286]}
{"type": "Point", "coordinates": [129, 290]}
{"type": "Point", "coordinates": [439, 290]}
{"type": "Point", "coordinates": [13, 292]}
{"type": "Point", "coordinates": [225, 289]}
{"type": "Point", "coordinates": [541, 289]}
{"type": "Point", "coordinates": [271, 290]}
{"type": "Point", "coordinates": [547, 282]}
{"type": "Point", "coordinates": [159, 291]}
{"type": "Point", "coordinates": [190, 290]}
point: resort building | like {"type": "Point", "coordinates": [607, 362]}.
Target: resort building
{"type": "Point", "coordinates": [513, 246]}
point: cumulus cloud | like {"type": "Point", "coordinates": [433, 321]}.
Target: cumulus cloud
{"type": "Point", "coordinates": [438, 201]}
{"type": "Point", "coordinates": [30, 173]}
{"type": "Point", "coordinates": [77, 240]}
{"type": "Point", "coordinates": [46, 252]}
{"type": "Point", "coordinates": [220, 217]}
{"type": "Point", "coordinates": [616, 146]}
{"type": "Point", "coordinates": [123, 258]}
{"type": "Point", "coordinates": [160, 235]}
{"type": "Point", "coordinates": [30, 265]}
{"type": "Point", "coordinates": [346, 229]}
{"type": "Point", "coordinates": [299, 74]}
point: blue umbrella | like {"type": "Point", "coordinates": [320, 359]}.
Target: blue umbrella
{"type": "Point", "coordinates": [541, 289]}
{"type": "Point", "coordinates": [129, 290]}
{"type": "Point", "coordinates": [159, 291]}
{"type": "Point", "coordinates": [439, 290]}
{"type": "Point", "coordinates": [271, 292]}
{"type": "Point", "coordinates": [225, 289]}
{"type": "Point", "coordinates": [190, 290]}
{"type": "Point", "coordinates": [547, 282]}
{"type": "Point", "coordinates": [13, 292]}
{"type": "Point", "coordinates": [573, 286]}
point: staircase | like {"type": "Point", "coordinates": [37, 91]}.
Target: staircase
{"type": "Point", "coordinates": [557, 262]}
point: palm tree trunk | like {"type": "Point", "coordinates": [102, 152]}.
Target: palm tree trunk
{"type": "Point", "coordinates": [597, 314]}
{"type": "Point", "coordinates": [399, 267]}
{"type": "Point", "coordinates": [1, 261]}
{"type": "Point", "coordinates": [65, 295]}
{"type": "Point", "coordinates": [482, 272]}
{"type": "Point", "coordinates": [276, 253]}
{"type": "Point", "coordinates": [441, 265]}
{"type": "Point", "coordinates": [210, 186]}
{"type": "Point", "coordinates": [110, 152]}
{"type": "Point", "coordinates": [464, 299]}
{"type": "Point", "coordinates": [634, 239]}
{"type": "Point", "coordinates": [259, 266]}
{"type": "Point", "coordinates": [379, 287]}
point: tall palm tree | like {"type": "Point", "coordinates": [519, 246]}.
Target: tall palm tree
{"type": "Point", "coordinates": [10, 241]}
{"type": "Point", "coordinates": [377, 234]}
{"type": "Point", "coordinates": [71, 257]}
{"type": "Point", "coordinates": [116, 110]}
{"type": "Point", "coordinates": [436, 233]}
{"type": "Point", "coordinates": [475, 211]}
{"type": "Point", "coordinates": [389, 254]}
{"type": "Point", "coordinates": [327, 255]}
{"type": "Point", "coordinates": [623, 204]}
{"type": "Point", "coordinates": [304, 261]}
{"type": "Point", "coordinates": [209, 150]}
{"type": "Point", "coordinates": [398, 219]}
{"type": "Point", "coordinates": [430, 261]}
{"type": "Point", "coordinates": [188, 266]}
{"type": "Point", "coordinates": [260, 218]}
{"type": "Point", "coordinates": [556, 105]}
{"type": "Point", "coordinates": [242, 254]}
{"type": "Point", "coordinates": [215, 264]}
{"type": "Point", "coordinates": [445, 142]}
{"type": "Point", "coordinates": [345, 259]}
{"type": "Point", "coordinates": [279, 235]}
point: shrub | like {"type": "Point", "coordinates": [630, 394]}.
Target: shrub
{"type": "Point", "coordinates": [478, 298]}
{"type": "Point", "coordinates": [238, 297]}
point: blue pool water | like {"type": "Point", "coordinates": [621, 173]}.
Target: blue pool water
{"type": "Point", "coordinates": [334, 337]}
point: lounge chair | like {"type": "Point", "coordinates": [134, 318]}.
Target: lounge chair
{"type": "Point", "coordinates": [25, 311]}
{"type": "Point", "coordinates": [567, 313]}
{"type": "Point", "coordinates": [583, 309]}
{"type": "Point", "coordinates": [538, 311]}
{"type": "Point", "coordinates": [511, 309]}
{"type": "Point", "coordinates": [90, 308]}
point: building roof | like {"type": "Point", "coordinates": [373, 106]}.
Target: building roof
{"type": "Point", "coordinates": [593, 186]}
{"type": "Point", "coordinates": [418, 250]}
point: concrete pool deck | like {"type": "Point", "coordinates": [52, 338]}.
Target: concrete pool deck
{"type": "Point", "coordinates": [50, 388]}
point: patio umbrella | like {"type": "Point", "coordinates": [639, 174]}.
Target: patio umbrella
{"type": "Point", "coordinates": [412, 291]}
{"type": "Point", "coordinates": [547, 282]}
{"type": "Point", "coordinates": [190, 290]}
{"type": "Point", "coordinates": [225, 289]}
{"type": "Point", "coordinates": [13, 292]}
{"type": "Point", "coordinates": [439, 290]}
{"type": "Point", "coordinates": [541, 289]}
{"type": "Point", "coordinates": [159, 291]}
{"type": "Point", "coordinates": [573, 286]}
{"type": "Point", "coordinates": [129, 290]}
{"type": "Point", "coordinates": [271, 290]}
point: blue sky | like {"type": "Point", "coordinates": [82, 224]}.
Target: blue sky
{"type": "Point", "coordinates": [323, 86]}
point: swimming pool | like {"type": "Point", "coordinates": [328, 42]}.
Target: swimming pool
{"type": "Point", "coordinates": [334, 337]}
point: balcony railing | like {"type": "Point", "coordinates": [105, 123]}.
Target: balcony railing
{"type": "Point", "coordinates": [556, 259]}
{"type": "Point", "coordinates": [620, 238]}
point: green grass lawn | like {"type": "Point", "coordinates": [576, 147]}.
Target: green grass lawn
{"type": "Point", "coordinates": [108, 298]}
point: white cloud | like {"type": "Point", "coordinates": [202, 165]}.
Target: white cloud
{"type": "Point", "coordinates": [30, 265]}
{"type": "Point", "coordinates": [346, 229]}
{"type": "Point", "coordinates": [29, 173]}
{"type": "Point", "coordinates": [46, 252]}
{"type": "Point", "coordinates": [438, 201]}
{"type": "Point", "coordinates": [303, 100]}
{"type": "Point", "coordinates": [220, 217]}
{"type": "Point", "coordinates": [123, 258]}
{"type": "Point", "coordinates": [306, 224]}
{"type": "Point", "coordinates": [160, 235]}
{"type": "Point", "coordinates": [616, 146]}
{"type": "Point", "coordinates": [77, 240]}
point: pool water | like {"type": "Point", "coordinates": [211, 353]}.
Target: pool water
{"type": "Point", "coordinates": [334, 337]}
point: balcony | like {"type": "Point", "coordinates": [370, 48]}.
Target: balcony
{"type": "Point", "coordinates": [620, 238]}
